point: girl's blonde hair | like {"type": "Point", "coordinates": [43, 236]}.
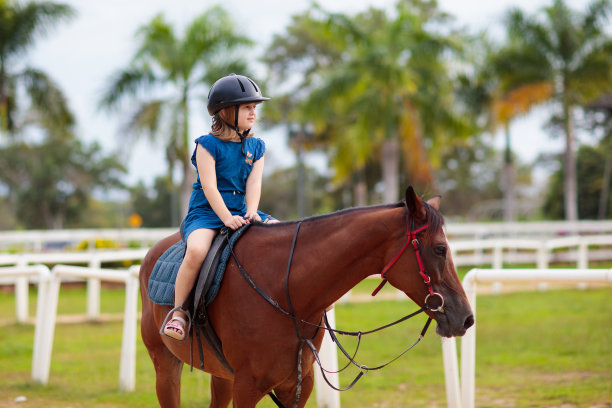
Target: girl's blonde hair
{"type": "Point", "coordinates": [221, 129]}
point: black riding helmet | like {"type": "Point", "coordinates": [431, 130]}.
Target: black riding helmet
{"type": "Point", "coordinates": [233, 90]}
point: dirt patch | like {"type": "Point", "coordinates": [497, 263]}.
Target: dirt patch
{"type": "Point", "coordinates": [564, 378]}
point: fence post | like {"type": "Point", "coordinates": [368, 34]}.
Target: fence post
{"type": "Point", "coordinates": [48, 329]}
{"type": "Point", "coordinates": [93, 291]}
{"type": "Point", "coordinates": [44, 276]}
{"type": "Point", "coordinates": [583, 254]}
{"type": "Point", "coordinates": [127, 366]}
{"type": "Point", "coordinates": [327, 397]}
{"type": "Point", "coordinates": [542, 255]}
{"type": "Point", "coordinates": [498, 263]}
{"type": "Point", "coordinates": [22, 284]}
{"type": "Point", "coordinates": [468, 346]}
{"type": "Point", "coordinates": [451, 372]}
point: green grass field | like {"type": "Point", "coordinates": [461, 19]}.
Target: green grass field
{"type": "Point", "coordinates": [534, 349]}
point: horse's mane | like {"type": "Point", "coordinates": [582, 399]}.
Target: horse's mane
{"type": "Point", "coordinates": [434, 218]}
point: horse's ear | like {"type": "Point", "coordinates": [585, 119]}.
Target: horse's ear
{"type": "Point", "coordinates": [414, 203]}
{"type": "Point", "coordinates": [435, 202]}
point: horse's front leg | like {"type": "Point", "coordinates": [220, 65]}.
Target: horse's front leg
{"type": "Point", "coordinates": [246, 392]}
{"type": "Point", "coordinates": [286, 391]}
{"type": "Point", "coordinates": [220, 392]}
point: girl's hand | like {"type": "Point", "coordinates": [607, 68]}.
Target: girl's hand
{"type": "Point", "coordinates": [252, 216]}
{"type": "Point", "coordinates": [234, 222]}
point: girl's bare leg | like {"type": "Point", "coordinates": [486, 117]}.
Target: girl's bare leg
{"type": "Point", "coordinates": [198, 245]}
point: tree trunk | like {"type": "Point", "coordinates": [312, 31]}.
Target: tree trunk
{"type": "Point", "coordinates": [186, 186]}
{"type": "Point", "coordinates": [185, 156]}
{"type": "Point", "coordinates": [300, 184]}
{"type": "Point", "coordinates": [509, 181]}
{"type": "Point", "coordinates": [604, 197]}
{"type": "Point", "coordinates": [360, 190]}
{"type": "Point", "coordinates": [4, 125]}
{"type": "Point", "coordinates": [569, 167]}
{"type": "Point", "coordinates": [390, 170]}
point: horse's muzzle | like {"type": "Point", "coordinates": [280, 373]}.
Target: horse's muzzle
{"type": "Point", "coordinates": [449, 327]}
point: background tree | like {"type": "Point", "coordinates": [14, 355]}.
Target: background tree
{"type": "Point", "coordinates": [49, 179]}
{"type": "Point", "coordinates": [53, 182]}
{"type": "Point", "coordinates": [570, 51]}
{"type": "Point", "coordinates": [278, 193]}
{"type": "Point", "coordinates": [44, 104]}
{"type": "Point", "coordinates": [166, 74]}
{"type": "Point", "coordinates": [490, 105]}
{"type": "Point", "coordinates": [153, 205]}
{"type": "Point", "coordinates": [381, 86]}
{"type": "Point", "coordinates": [591, 163]}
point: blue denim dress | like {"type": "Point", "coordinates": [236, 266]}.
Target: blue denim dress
{"type": "Point", "coordinates": [232, 170]}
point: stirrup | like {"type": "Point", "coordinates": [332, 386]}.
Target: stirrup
{"type": "Point", "coordinates": [169, 317]}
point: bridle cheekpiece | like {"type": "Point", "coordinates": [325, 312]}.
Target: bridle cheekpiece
{"type": "Point", "coordinates": [411, 238]}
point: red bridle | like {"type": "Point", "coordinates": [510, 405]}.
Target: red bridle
{"type": "Point", "coordinates": [412, 239]}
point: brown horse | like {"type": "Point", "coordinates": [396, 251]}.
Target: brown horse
{"type": "Point", "coordinates": [332, 254]}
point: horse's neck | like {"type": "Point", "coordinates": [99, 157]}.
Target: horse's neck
{"type": "Point", "coordinates": [345, 250]}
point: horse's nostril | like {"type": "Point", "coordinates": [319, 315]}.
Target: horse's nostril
{"type": "Point", "coordinates": [469, 322]}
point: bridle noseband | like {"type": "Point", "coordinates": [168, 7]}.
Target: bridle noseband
{"type": "Point", "coordinates": [411, 238]}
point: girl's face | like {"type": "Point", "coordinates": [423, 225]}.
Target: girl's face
{"type": "Point", "coordinates": [246, 116]}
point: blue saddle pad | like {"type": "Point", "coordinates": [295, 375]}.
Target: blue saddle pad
{"type": "Point", "coordinates": [161, 281]}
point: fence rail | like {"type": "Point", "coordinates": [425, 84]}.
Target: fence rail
{"type": "Point", "coordinates": [540, 252]}
{"type": "Point", "coordinates": [544, 229]}
{"type": "Point", "coordinates": [40, 240]}
{"type": "Point", "coordinates": [93, 259]}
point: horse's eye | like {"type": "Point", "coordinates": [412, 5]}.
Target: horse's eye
{"type": "Point", "coordinates": [440, 250]}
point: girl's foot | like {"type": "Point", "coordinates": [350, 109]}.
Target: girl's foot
{"type": "Point", "coordinates": [175, 328]}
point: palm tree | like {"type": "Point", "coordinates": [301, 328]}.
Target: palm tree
{"type": "Point", "coordinates": [374, 88]}
{"type": "Point", "coordinates": [167, 73]}
{"type": "Point", "coordinates": [20, 26]}
{"type": "Point", "coordinates": [569, 51]}
{"type": "Point", "coordinates": [394, 94]}
{"type": "Point", "coordinates": [486, 101]}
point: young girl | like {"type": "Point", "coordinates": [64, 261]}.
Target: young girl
{"type": "Point", "coordinates": [229, 163]}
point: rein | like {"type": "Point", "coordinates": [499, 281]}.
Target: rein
{"type": "Point", "coordinates": [363, 369]}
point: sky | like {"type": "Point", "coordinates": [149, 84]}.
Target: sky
{"type": "Point", "coordinates": [82, 54]}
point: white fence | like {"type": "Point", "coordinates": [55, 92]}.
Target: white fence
{"type": "Point", "coordinates": [49, 282]}
{"type": "Point", "coordinates": [494, 252]}
{"type": "Point", "coordinates": [94, 260]}
{"type": "Point", "coordinates": [40, 240]}
{"type": "Point", "coordinates": [21, 269]}
{"type": "Point", "coordinates": [540, 230]}
{"type": "Point", "coordinates": [462, 394]}
{"type": "Point", "coordinates": [43, 344]}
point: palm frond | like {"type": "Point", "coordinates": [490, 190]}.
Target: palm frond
{"type": "Point", "coordinates": [21, 25]}
{"type": "Point", "coordinates": [47, 100]}
{"type": "Point", "coordinates": [128, 83]}
{"type": "Point", "coordinates": [146, 119]}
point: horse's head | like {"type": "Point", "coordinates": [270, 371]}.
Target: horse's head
{"type": "Point", "coordinates": [428, 257]}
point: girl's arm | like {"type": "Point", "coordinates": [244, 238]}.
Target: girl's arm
{"type": "Point", "coordinates": [208, 179]}
{"type": "Point", "coordinates": [253, 190]}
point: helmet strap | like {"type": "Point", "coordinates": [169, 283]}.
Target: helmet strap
{"type": "Point", "coordinates": [234, 127]}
